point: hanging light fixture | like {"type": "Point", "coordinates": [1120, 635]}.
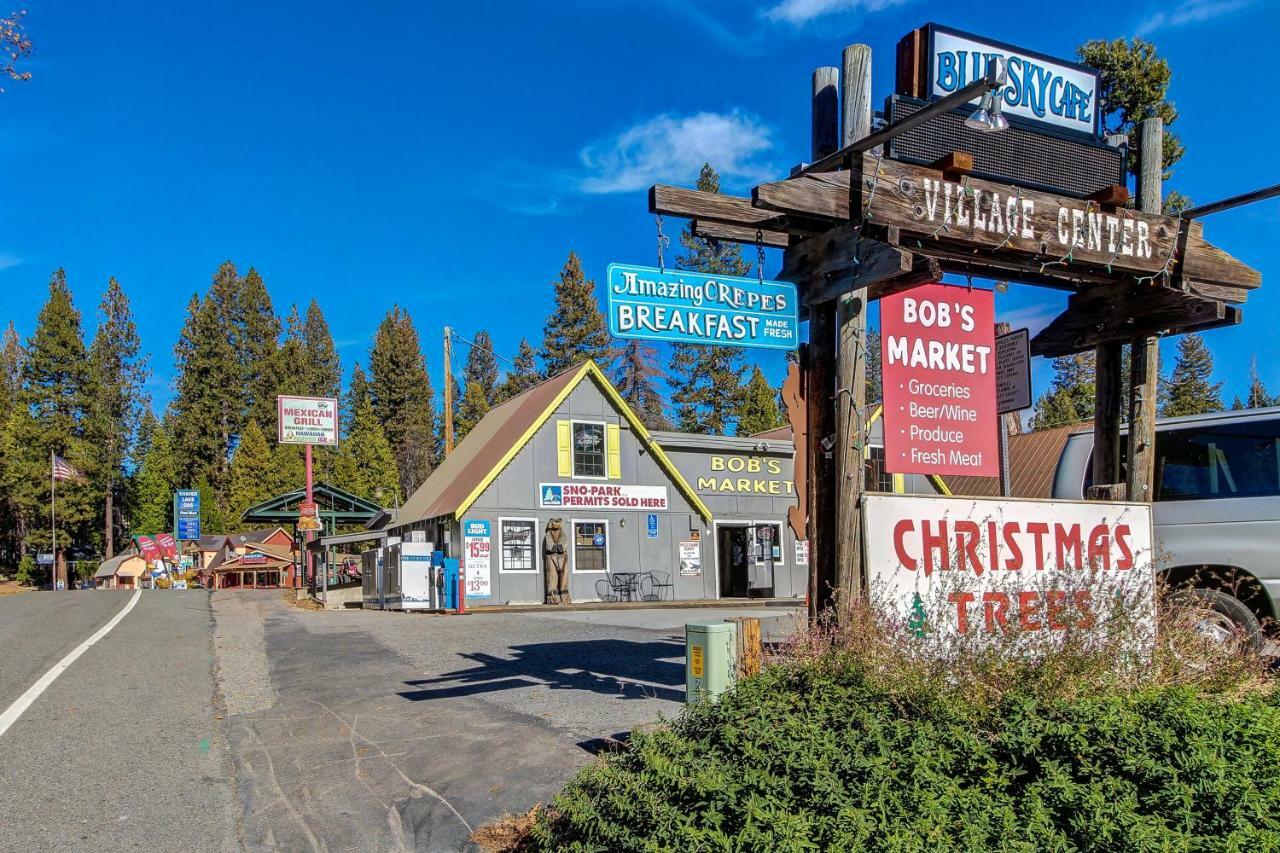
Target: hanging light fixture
{"type": "Point", "coordinates": [988, 118]}
{"type": "Point", "coordinates": [980, 119]}
{"type": "Point", "coordinates": [995, 117]}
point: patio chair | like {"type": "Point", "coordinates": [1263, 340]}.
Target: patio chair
{"type": "Point", "coordinates": [623, 586]}
{"type": "Point", "coordinates": [605, 590]}
{"type": "Point", "coordinates": [657, 586]}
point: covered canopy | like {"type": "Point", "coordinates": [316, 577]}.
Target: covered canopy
{"type": "Point", "coordinates": [336, 506]}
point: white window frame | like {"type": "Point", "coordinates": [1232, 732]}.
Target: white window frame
{"type": "Point", "coordinates": [755, 541]}
{"type": "Point", "coordinates": [573, 447]}
{"type": "Point", "coordinates": [502, 563]}
{"type": "Point", "coordinates": [573, 543]}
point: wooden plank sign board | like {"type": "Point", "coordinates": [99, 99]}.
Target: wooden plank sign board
{"type": "Point", "coordinates": [984, 214]}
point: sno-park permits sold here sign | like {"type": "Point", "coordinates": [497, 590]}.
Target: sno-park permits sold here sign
{"type": "Point", "coordinates": [583, 495]}
{"type": "Point", "coordinates": [689, 307]}
{"type": "Point", "coordinates": [307, 420]}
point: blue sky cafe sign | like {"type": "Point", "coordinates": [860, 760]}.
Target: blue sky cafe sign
{"type": "Point", "coordinates": [1046, 91]}
{"type": "Point", "coordinates": [678, 306]}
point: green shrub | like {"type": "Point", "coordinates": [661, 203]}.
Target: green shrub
{"type": "Point", "coordinates": [813, 757]}
{"type": "Point", "coordinates": [29, 573]}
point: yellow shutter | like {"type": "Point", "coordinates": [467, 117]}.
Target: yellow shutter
{"type": "Point", "coordinates": [564, 449]}
{"type": "Point", "coordinates": [613, 441]}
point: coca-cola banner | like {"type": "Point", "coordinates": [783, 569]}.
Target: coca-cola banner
{"type": "Point", "coordinates": [966, 565]}
{"type": "Point", "coordinates": [147, 548]}
{"type": "Point", "coordinates": [938, 359]}
{"type": "Point", "coordinates": [168, 547]}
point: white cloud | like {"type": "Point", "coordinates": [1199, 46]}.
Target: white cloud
{"type": "Point", "coordinates": [671, 149]}
{"type": "Point", "coordinates": [798, 12]}
{"type": "Point", "coordinates": [8, 261]}
{"type": "Point", "coordinates": [1190, 12]}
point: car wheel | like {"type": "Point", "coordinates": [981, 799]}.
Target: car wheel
{"type": "Point", "coordinates": [1221, 618]}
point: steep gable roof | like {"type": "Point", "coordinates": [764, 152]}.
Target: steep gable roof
{"type": "Point", "coordinates": [460, 480]}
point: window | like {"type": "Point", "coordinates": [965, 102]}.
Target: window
{"type": "Point", "coordinates": [765, 546]}
{"type": "Point", "coordinates": [518, 535]}
{"type": "Point", "coordinates": [590, 546]}
{"type": "Point", "coordinates": [588, 450]}
{"type": "Point", "coordinates": [878, 480]}
{"type": "Point", "coordinates": [1228, 460]}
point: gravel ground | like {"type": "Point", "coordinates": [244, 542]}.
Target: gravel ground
{"type": "Point", "coordinates": [240, 648]}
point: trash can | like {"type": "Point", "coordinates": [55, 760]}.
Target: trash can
{"type": "Point", "coordinates": [709, 650]}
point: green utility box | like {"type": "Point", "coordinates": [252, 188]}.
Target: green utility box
{"type": "Point", "coordinates": [710, 649]}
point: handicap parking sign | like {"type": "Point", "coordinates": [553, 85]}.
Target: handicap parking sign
{"type": "Point", "coordinates": [653, 525]}
{"type": "Point", "coordinates": [552, 495]}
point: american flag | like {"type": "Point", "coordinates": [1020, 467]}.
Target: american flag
{"type": "Point", "coordinates": [64, 470]}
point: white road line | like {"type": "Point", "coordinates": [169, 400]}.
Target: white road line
{"type": "Point", "coordinates": [14, 711]}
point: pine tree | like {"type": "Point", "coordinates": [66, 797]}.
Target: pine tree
{"type": "Point", "coordinates": [251, 472]}
{"type": "Point", "coordinates": [357, 394]}
{"type": "Point", "coordinates": [1188, 390]}
{"type": "Point", "coordinates": [636, 378]}
{"type": "Point", "coordinates": [758, 411]}
{"type": "Point", "coordinates": [11, 526]}
{"type": "Point", "coordinates": [290, 370]}
{"type": "Point", "coordinates": [155, 478]}
{"type": "Point", "coordinates": [119, 373]}
{"type": "Point", "coordinates": [706, 381]}
{"type": "Point", "coordinates": [1259, 397]}
{"type": "Point", "coordinates": [471, 409]}
{"type": "Point", "coordinates": [1070, 397]}
{"type": "Point", "coordinates": [50, 419]}
{"type": "Point", "coordinates": [254, 330]}
{"type": "Point", "coordinates": [323, 367]}
{"type": "Point", "coordinates": [576, 330]}
{"type": "Point", "coordinates": [523, 375]}
{"type": "Point", "coordinates": [210, 393]}
{"type": "Point", "coordinates": [403, 398]}
{"type": "Point", "coordinates": [482, 366]}
{"type": "Point", "coordinates": [1134, 85]}
{"type": "Point", "coordinates": [366, 465]}
{"type": "Point", "coordinates": [11, 358]}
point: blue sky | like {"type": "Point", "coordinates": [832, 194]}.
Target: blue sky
{"type": "Point", "coordinates": [446, 156]}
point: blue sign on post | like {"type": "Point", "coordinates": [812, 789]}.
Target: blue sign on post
{"type": "Point", "coordinates": [653, 525]}
{"type": "Point", "coordinates": [186, 514]}
{"type": "Point", "coordinates": [689, 307]}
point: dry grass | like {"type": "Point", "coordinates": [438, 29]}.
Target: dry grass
{"type": "Point", "coordinates": [509, 833]}
{"type": "Point", "coordinates": [290, 597]}
{"type": "Point", "coordinates": [13, 588]}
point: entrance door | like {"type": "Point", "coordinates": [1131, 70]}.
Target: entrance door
{"type": "Point", "coordinates": [733, 550]}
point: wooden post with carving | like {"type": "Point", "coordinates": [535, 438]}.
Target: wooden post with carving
{"type": "Point", "coordinates": [851, 352]}
{"type": "Point", "coordinates": [1145, 361]}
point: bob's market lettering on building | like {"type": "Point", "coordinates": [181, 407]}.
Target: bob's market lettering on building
{"type": "Point", "coordinates": [585, 496]}
{"type": "Point", "coordinates": [765, 476]}
{"type": "Point", "coordinates": [991, 566]}
{"type": "Point", "coordinates": [1053, 92]}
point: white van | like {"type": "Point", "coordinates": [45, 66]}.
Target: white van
{"type": "Point", "coordinates": [1216, 508]}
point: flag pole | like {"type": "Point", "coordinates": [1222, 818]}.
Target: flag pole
{"type": "Point", "coordinates": [53, 525]}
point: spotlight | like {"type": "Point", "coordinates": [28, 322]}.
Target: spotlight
{"type": "Point", "coordinates": [1002, 287]}
{"type": "Point", "coordinates": [995, 119]}
{"type": "Point", "coordinates": [980, 120]}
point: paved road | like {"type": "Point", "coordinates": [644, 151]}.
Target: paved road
{"type": "Point", "coordinates": [123, 751]}
{"type": "Point", "coordinates": [233, 721]}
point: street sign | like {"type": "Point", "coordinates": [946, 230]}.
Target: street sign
{"type": "Point", "coordinates": [1013, 371]}
{"type": "Point", "coordinates": [186, 514]}
{"type": "Point", "coordinates": [307, 420]}
{"type": "Point", "coordinates": [937, 352]}
{"type": "Point", "coordinates": [188, 529]}
{"type": "Point", "coordinates": [688, 307]}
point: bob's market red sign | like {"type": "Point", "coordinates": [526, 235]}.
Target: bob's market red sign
{"type": "Point", "coordinates": [964, 565]}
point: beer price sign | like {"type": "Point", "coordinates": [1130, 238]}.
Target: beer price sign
{"type": "Point", "coordinates": [938, 361]}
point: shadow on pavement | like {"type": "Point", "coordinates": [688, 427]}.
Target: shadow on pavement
{"type": "Point", "coordinates": [634, 670]}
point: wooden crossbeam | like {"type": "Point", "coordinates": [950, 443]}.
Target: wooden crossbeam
{"type": "Point", "coordinates": [711, 207]}
{"type": "Point", "coordinates": [1103, 314]}
{"type": "Point", "coordinates": [739, 234]}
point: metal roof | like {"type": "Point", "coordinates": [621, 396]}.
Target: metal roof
{"type": "Point", "coordinates": [341, 506]}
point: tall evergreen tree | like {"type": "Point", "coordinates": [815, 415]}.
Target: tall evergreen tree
{"type": "Point", "coordinates": [357, 394]}
{"type": "Point", "coordinates": [758, 411]}
{"type": "Point", "coordinates": [576, 330]}
{"type": "Point", "coordinates": [706, 381]}
{"type": "Point", "coordinates": [251, 473]}
{"type": "Point", "coordinates": [365, 465]}
{"type": "Point", "coordinates": [155, 477]}
{"type": "Point", "coordinates": [324, 369]}
{"type": "Point", "coordinates": [482, 366]}
{"type": "Point", "coordinates": [636, 378]}
{"type": "Point", "coordinates": [403, 398]}
{"type": "Point", "coordinates": [471, 409]}
{"type": "Point", "coordinates": [290, 372]}
{"type": "Point", "coordinates": [118, 372]}
{"type": "Point", "coordinates": [523, 374]}
{"type": "Point", "coordinates": [1259, 397]}
{"type": "Point", "coordinates": [1188, 390]}
{"type": "Point", "coordinates": [50, 419]}
{"type": "Point", "coordinates": [1134, 85]}
{"type": "Point", "coordinates": [1069, 399]}
{"type": "Point", "coordinates": [254, 331]}
{"type": "Point", "coordinates": [11, 358]}
{"type": "Point", "coordinates": [209, 400]}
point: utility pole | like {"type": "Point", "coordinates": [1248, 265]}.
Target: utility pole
{"type": "Point", "coordinates": [851, 352]}
{"type": "Point", "coordinates": [1144, 364]}
{"type": "Point", "coordinates": [448, 390]}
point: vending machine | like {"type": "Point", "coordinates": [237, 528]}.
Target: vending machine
{"type": "Point", "coordinates": [417, 576]}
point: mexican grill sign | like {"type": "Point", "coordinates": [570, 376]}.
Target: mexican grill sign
{"type": "Point", "coordinates": [307, 420]}
{"type": "Point", "coordinates": [964, 566]}
{"type": "Point", "coordinates": [938, 362]}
